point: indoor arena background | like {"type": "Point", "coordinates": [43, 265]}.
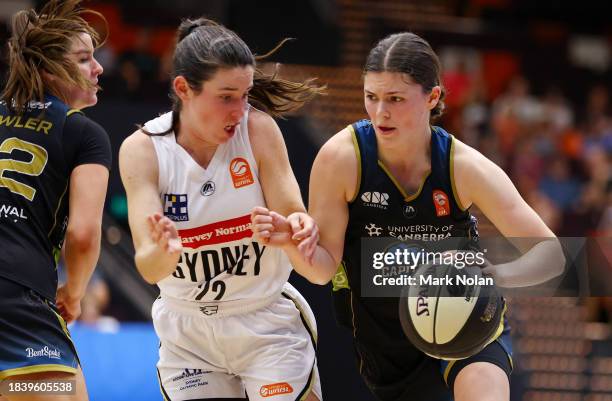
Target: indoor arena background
{"type": "Point", "coordinates": [528, 85]}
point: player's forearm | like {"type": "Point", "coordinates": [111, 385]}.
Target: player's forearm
{"type": "Point", "coordinates": [154, 264]}
{"type": "Point", "coordinates": [322, 269]}
{"type": "Point", "coordinates": [81, 252]}
{"type": "Point", "coordinates": [541, 263]}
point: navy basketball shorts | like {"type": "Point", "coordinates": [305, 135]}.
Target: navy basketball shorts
{"type": "Point", "coordinates": [33, 336]}
{"type": "Point", "coordinates": [499, 353]}
{"type": "Point", "coordinates": [427, 378]}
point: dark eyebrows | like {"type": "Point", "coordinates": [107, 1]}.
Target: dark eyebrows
{"type": "Point", "coordinates": [85, 51]}
{"type": "Point", "coordinates": [229, 88]}
{"type": "Point", "coordinates": [386, 93]}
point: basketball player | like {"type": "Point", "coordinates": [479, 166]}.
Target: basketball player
{"type": "Point", "coordinates": [424, 180]}
{"type": "Point", "coordinates": [54, 166]}
{"type": "Point", "coordinates": [229, 323]}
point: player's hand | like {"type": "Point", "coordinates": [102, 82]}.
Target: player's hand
{"type": "Point", "coordinates": [69, 306]}
{"type": "Point", "coordinates": [164, 234]}
{"type": "Point", "coordinates": [270, 228]}
{"type": "Point", "coordinates": [305, 230]}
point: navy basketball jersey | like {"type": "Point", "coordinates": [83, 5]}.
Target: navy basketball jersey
{"type": "Point", "coordinates": [35, 165]}
{"type": "Point", "coordinates": [381, 208]}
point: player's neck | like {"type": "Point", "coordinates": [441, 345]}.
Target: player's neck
{"type": "Point", "coordinates": [409, 151]}
{"type": "Point", "coordinates": [199, 149]}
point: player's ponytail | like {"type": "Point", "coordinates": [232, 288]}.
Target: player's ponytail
{"type": "Point", "coordinates": [187, 26]}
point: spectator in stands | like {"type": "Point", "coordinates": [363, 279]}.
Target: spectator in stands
{"type": "Point", "coordinates": [559, 184]}
{"type": "Point", "coordinates": [93, 305]}
{"type": "Point", "coordinates": [139, 68]}
{"type": "Point", "coordinates": [514, 114]}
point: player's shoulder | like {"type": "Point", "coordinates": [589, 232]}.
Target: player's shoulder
{"type": "Point", "coordinates": [78, 122]}
{"type": "Point", "coordinates": [259, 117]}
{"type": "Point", "coordinates": [466, 156]}
{"type": "Point", "coordinates": [137, 140]}
{"type": "Point", "coordinates": [337, 164]}
{"type": "Point", "coordinates": [264, 134]}
{"type": "Point", "coordinates": [261, 124]}
{"type": "Point", "coordinates": [471, 166]}
{"type": "Point", "coordinates": [340, 148]}
{"type": "Point", "coordinates": [136, 149]}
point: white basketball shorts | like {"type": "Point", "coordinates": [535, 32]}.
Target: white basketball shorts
{"type": "Point", "coordinates": [265, 349]}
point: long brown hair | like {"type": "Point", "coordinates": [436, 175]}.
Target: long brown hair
{"type": "Point", "coordinates": [41, 41]}
{"type": "Point", "coordinates": [203, 46]}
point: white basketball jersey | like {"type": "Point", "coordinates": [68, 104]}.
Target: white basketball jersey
{"type": "Point", "coordinates": [211, 209]}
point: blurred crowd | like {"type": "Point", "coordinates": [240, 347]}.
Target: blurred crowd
{"type": "Point", "coordinates": [136, 72]}
{"type": "Point", "coordinates": [555, 150]}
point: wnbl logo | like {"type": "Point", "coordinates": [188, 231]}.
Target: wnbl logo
{"type": "Point", "coordinates": [208, 188]}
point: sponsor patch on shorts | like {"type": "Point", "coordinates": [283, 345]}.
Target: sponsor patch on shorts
{"type": "Point", "coordinates": [270, 390]}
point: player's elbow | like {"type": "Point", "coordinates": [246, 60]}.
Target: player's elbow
{"type": "Point", "coordinates": [319, 279]}
{"type": "Point", "coordinates": [149, 277]}
{"type": "Point", "coordinates": [149, 268]}
{"type": "Point", "coordinates": [83, 238]}
{"type": "Point", "coordinates": [313, 273]}
{"type": "Point", "coordinates": [560, 260]}
{"type": "Point", "coordinates": [145, 271]}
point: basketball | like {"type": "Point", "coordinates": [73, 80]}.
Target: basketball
{"type": "Point", "coordinates": [451, 313]}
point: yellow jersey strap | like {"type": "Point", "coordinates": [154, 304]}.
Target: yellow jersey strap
{"type": "Point", "coordinates": [72, 111]}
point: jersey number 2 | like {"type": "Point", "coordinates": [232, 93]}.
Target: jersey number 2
{"type": "Point", "coordinates": [33, 168]}
{"type": "Point", "coordinates": [217, 286]}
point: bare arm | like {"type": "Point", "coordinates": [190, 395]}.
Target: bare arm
{"type": "Point", "coordinates": [280, 188]}
{"type": "Point", "coordinates": [483, 183]}
{"type": "Point", "coordinates": [281, 193]}
{"type": "Point", "coordinates": [88, 183]}
{"type": "Point", "coordinates": [333, 182]}
{"type": "Point", "coordinates": [155, 237]}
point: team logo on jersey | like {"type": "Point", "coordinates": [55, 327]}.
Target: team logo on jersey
{"type": "Point", "coordinates": [440, 200]}
{"type": "Point", "coordinates": [375, 199]}
{"type": "Point", "coordinates": [241, 172]}
{"type": "Point", "coordinates": [209, 309]}
{"type": "Point", "coordinates": [208, 188]}
{"type": "Point", "coordinates": [270, 390]}
{"type": "Point", "coordinates": [373, 230]}
{"type": "Point", "coordinates": [409, 211]}
{"type": "Point", "coordinates": [175, 207]}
